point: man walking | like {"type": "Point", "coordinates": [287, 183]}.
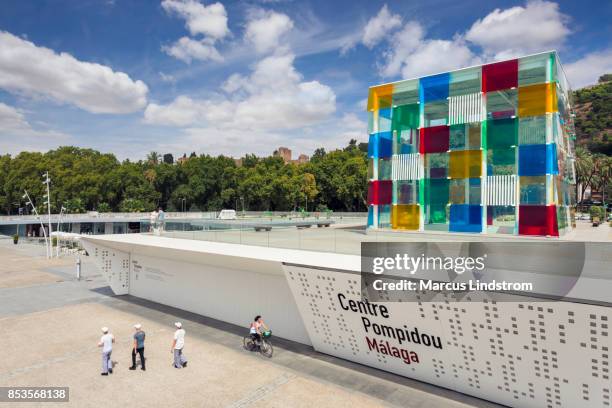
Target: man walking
{"type": "Point", "coordinates": [106, 342]}
{"type": "Point", "coordinates": [138, 347]}
{"type": "Point", "coordinates": [177, 346]}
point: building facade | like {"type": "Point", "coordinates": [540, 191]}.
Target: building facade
{"type": "Point", "coordinates": [487, 149]}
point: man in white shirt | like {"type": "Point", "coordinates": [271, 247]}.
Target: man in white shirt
{"type": "Point", "coordinates": [177, 346]}
{"type": "Point", "coordinates": [106, 342]}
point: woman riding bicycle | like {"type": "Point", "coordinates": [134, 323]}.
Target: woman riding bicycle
{"type": "Point", "coordinates": [255, 329]}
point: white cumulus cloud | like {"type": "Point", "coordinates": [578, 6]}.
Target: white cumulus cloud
{"type": "Point", "coordinates": [187, 49]}
{"type": "Point", "coordinates": [30, 70]}
{"type": "Point", "coordinates": [273, 96]}
{"type": "Point", "coordinates": [210, 21]}
{"type": "Point", "coordinates": [266, 28]}
{"type": "Point", "coordinates": [379, 26]}
{"type": "Point", "coordinates": [413, 55]}
{"type": "Point", "coordinates": [586, 71]}
{"type": "Point", "coordinates": [537, 26]}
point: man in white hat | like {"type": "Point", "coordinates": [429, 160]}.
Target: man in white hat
{"type": "Point", "coordinates": [177, 346]}
{"type": "Point", "coordinates": [138, 347]}
{"type": "Point", "coordinates": [106, 342]}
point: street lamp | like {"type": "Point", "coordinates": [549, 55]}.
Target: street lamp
{"type": "Point", "coordinates": [57, 248]}
{"type": "Point", "coordinates": [183, 204]}
{"type": "Point", "coordinates": [26, 196]}
{"type": "Point", "coordinates": [47, 181]}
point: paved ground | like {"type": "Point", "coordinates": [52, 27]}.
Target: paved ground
{"type": "Point", "coordinates": [50, 324]}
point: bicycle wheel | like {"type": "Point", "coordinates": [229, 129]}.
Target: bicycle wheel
{"type": "Point", "coordinates": [248, 343]}
{"type": "Point", "coordinates": [266, 348]}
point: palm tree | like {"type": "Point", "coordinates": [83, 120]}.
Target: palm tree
{"type": "Point", "coordinates": [584, 170]}
{"type": "Point", "coordinates": [153, 158]}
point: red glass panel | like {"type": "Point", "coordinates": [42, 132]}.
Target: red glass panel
{"type": "Point", "coordinates": [434, 139]}
{"type": "Point", "coordinates": [538, 220]}
{"type": "Point", "coordinates": [501, 75]}
{"type": "Point", "coordinates": [380, 192]}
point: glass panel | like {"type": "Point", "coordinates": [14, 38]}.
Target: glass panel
{"type": "Point", "coordinates": [384, 216]}
{"type": "Point", "coordinates": [465, 136]}
{"type": "Point", "coordinates": [380, 192]}
{"type": "Point", "coordinates": [405, 117]}
{"type": "Point", "coordinates": [502, 104]}
{"type": "Point", "coordinates": [532, 130]}
{"type": "Point", "coordinates": [405, 216]}
{"type": "Point", "coordinates": [465, 191]}
{"type": "Point", "coordinates": [501, 219]}
{"type": "Point", "coordinates": [434, 139]}
{"type": "Point", "coordinates": [533, 190]}
{"type": "Point", "coordinates": [502, 134]}
{"type": "Point", "coordinates": [538, 220]}
{"type": "Point", "coordinates": [406, 92]}
{"type": "Point", "coordinates": [465, 218]}
{"type": "Point", "coordinates": [532, 160]}
{"type": "Point", "coordinates": [436, 217]}
{"type": "Point", "coordinates": [380, 97]}
{"type": "Point", "coordinates": [372, 163]}
{"type": "Point", "coordinates": [533, 69]}
{"type": "Point", "coordinates": [466, 81]}
{"type": "Point", "coordinates": [436, 113]}
{"type": "Point", "coordinates": [406, 142]}
{"type": "Point", "coordinates": [384, 169]}
{"type": "Point", "coordinates": [501, 162]}
{"type": "Point", "coordinates": [434, 88]}
{"type": "Point", "coordinates": [537, 99]}
{"type": "Point", "coordinates": [500, 75]}
{"type": "Point", "coordinates": [436, 165]}
{"type": "Point", "coordinates": [384, 120]}
{"type": "Point", "coordinates": [465, 164]}
{"type": "Point", "coordinates": [407, 192]}
{"type": "Point", "coordinates": [436, 191]}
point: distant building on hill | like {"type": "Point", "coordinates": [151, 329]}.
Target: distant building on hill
{"type": "Point", "coordinates": [284, 153]}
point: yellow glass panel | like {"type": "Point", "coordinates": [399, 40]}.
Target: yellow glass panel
{"type": "Point", "coordinates": [380, 97]}
{"type": "Point", "coordinates": [535, 100]}
{"type": "Point", "coordinates": [465, 164]}
{"type": "Point", "coordinates": [405, 216]}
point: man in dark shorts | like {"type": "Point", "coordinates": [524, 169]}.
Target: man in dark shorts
{"type": "Point", "coordinates": [139, 338]}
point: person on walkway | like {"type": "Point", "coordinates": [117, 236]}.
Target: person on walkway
{"type": "Point", "coordinates": [138, 347]}
{"type": "Point", "coordinates": [106, 342]}
{"type": "Point", "coordinates": [177, 346]}
{"type": "Point", "coordinates": [161, 218]}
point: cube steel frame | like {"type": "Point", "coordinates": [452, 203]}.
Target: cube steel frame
{"type": "Point", "coordinates": [485, 149]}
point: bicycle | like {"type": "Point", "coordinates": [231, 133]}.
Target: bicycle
{"type": "Point", "coordinates": [264, 346]}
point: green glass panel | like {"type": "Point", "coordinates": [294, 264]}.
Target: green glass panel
{"type": "Point", "coordinates": [502, 133]}
{"type": "Point", "coordinates": [436, 191]}
{"type": "Point", "coordinates": [465, 81]}
{"type": "Point", "coordinates": [371, 164]}
{"type": "Point", "coordinates": [437, 214]}
{"type": "Point", "coordinates": [501, 162]}
{"type": "Point", "coordinates": [406, 141]}
{"type": "Point", "coordinates": [532, 130]}
{"type": "Point", "coordinates": [405, 117]}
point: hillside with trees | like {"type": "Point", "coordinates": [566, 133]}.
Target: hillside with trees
{"type": "Point", "coordinates": [593, 108]}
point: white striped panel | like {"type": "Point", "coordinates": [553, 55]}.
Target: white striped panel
{"type": "Point", "coordinates": [405, 167]}
{"type": "Point", "coordinates": [501, 190]}
{"type": "Point", "coordinates": [465, 108]}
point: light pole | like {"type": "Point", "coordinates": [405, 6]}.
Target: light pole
{"type": "Point", "coordinates": [183, 204]}
{"type": "Point", "coordinates": [47, 181]}
{"type": "Point", "coordinates": [29, 202]}
{"type": "Point", "coordinates": [57, 248]}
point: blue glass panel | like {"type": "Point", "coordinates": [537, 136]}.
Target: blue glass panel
{"type": "Point", "coordinates": [373, 145]}
{"type": "Point", "coordinates": [384, 216]}
{"type": "Point", "coordinates": [384, 113]}
{"type": "Point", "coordinates": [465, 218]}
{"type": "Point", "coordinates": [532, 160]}
{"type": "Point", "coordinates": [434, 88]}
{"type": "Point", "coordinates": [552, 165]}
{"type": "Point", "coordinates": [385, 144]}
{"type": "Point", "coordinates": [371, 216]}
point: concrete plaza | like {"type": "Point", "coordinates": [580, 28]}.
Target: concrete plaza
{"type": "Point", "coordinates": [51, 324]}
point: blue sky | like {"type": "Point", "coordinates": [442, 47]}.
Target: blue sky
{"type": "Point", "coordinates": [236, 77]}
